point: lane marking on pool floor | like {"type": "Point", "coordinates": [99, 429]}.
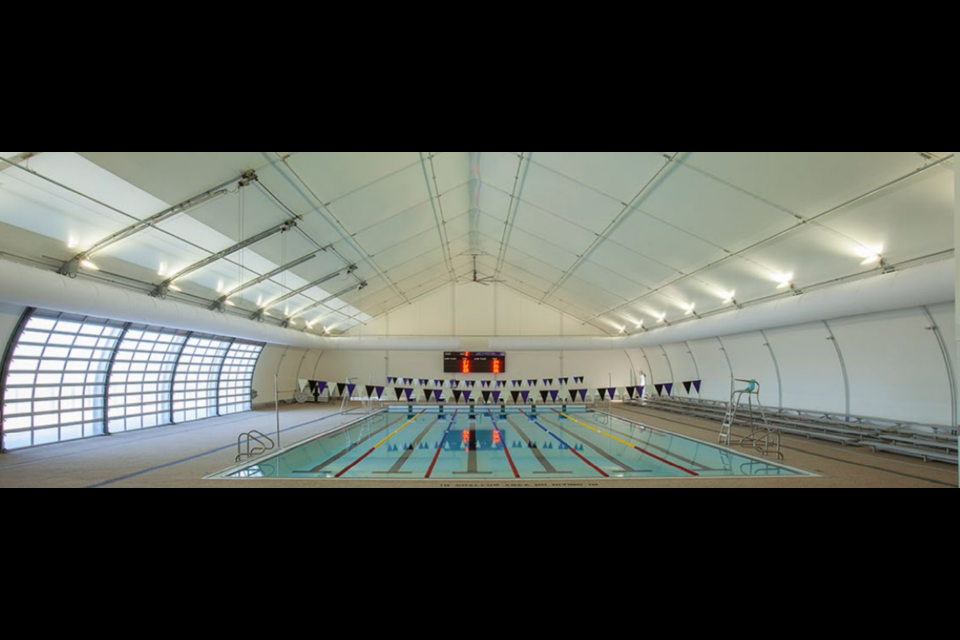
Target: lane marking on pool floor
{"type": "Point", "coordinates": [397, 468]}
{"type": "Point", "coordinates": [569, 448]}
{"type": "Point", "coordinates": [506, 449]}
{"type": "Point", "coordinates": [380, 444]}
{"type": "Point", "coordinates": [622, 441]}
{"type": "Point", "coordinates": [443, 440]}
{"type": "Point", "coordinates": [329, 461]}
{"type": "Point", "coordinates": [620, 463]}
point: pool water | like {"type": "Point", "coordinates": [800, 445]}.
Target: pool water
{"type": "Point", "coordinates": [493, 444]}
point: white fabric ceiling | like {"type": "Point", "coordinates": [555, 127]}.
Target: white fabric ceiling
{"type": "Point", "coordinates": [611, 238]}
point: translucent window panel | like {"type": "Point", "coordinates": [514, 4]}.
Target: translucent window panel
{"type": "Point", "coordinates": [145, 361]}
{"type": "Point", "coordinates": [236, 378]}
{"type": "Point", "coordinates": [195, 383]}
{"type": "Point", "coordinates": [47, 367]}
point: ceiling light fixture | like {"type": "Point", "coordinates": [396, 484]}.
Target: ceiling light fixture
{"type": "Point", "coordinates": [73, 242]}
{"type": "Point", "coordinates": [174, 287]}
{"type": "Point", "coordinates": [231, 304]}
{"type": "Point", "coordinates": [86, 264]}
{"type": "Point", "coordinates": [786, 281]}
{"type": "Point", "coordinates": [730, 297]}
{"type": "Point", "coordinates": [220, 286]}
{"type": "Point", "coordinates": [162, 271]}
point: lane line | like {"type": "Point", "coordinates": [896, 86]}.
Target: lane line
{"type": "Point", "coordinates": [620, 463]}
{"type": "Point", "coordinates": [397, 467]}
{"type": "Point", "coordinates": [326, 463]}
{"type": "Point", "coordinates": [506, 449]}
{"type": "Point", "coordinates": [569, 448]}
{"type": "Point", "coordinates": [650, 445]}
{"type": "Point", "coordinates": [542, 459]}
{"type": "Point", "coordinates": [380, 444]}
{"type": "Point", "coordinates": [443, 440]}
{"type": "Point", "coordinates": [622, 441]}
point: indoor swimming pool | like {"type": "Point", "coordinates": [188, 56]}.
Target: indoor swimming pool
{"type": "Point", "coordinates": [492, 443]}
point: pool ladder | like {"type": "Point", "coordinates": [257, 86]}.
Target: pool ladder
{"type": "Point", "coordinates": [253, 444]}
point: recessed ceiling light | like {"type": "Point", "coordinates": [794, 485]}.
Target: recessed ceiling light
{"type": "Point", "coordinates": [662, 317]}
{"type": "Point", "coordinates": [730, 297]}
{"type": "Point", "coordinates": [786, 281]}
{"type": "Point", "coordinates": [691, 308]}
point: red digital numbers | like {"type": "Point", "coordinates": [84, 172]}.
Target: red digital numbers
{"type": "Point", "coordinates": [496, 365]}
{"type": "Point", "coordinates": [466, 365]}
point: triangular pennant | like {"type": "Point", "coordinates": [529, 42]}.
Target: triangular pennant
{"type": "Point", "coordinates": [554, 395]}
{"type": "Point", "coordinates": [640, 391]}
{"type": "Point", "coordinates": [389, 380]}
{"type": "Point", "coordinates": [340, 388]}
{"type": "Point", "coordinates": [531, 383]}
{"type": "Point", "coordinates": [457, 394]}
{"type": "Point", "coordinates": [526, 396]}
{"type": "Point", "coordinates": [696, 385]}
{"type": "Point", "coordinates": [583, 395]}
{"type": "Point", "coordinates": [501, 384]}
{"type": "Point", "coordinates": [313, 387]}
{"type": "Point", "coordinates": [454, 384]}
{"type": "Point", "coordinates": [603, 393]}
{"type": "Point", "coordinates": [668, 388]}
{"type": "Point", "coordinates": [486, 397]}
{"type": "Point", "coordinates": [379, 391]}
{"type": "Point", "coordinates": [516, 396]}
{"type": "Point", "coordinates": [544, 395]}
{"type": "Point", "coordinates": [350, 389]}
{"type": "Point", "coordinates": [613, 393]}
{"type": "Point", "coordinates": [659, 388]}
{"type": "Point", "coordinates": [578, 380]}
{"type": "Point", "coordinates": [409, 393]}
{"type": "Point", "coordinates": [496, 397]}
{"type": "Point", "coordinates": [370, 391]}
{"type": "Point", "coordinates": [547, 382]}
{"type": "Point", "coordinates": [438, 383]}
{"type": "Point", "coordinates": [632, 391]}
{"type": "Point", "coordinates": [573, 395]}
{"type": "Point", "coordinates": [687, 386]}
{"type": "Point", "coordinates": [564, 381]}
{"type": "Point", "coordinates": [466, 396]}
{"type": "Point", "coordinates": [321, 387]}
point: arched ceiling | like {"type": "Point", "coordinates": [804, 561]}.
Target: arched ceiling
{"type": "Point", "coordinates": [614, 239]}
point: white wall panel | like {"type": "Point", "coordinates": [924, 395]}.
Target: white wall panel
{"type": "Point", "coordinates": [659, 369]}
{"type": "Point", "coordinates": [714, 369]}
{"type": "Point", "coordinates": [267, 367]}
{"type": "Point", "coordinates": [289, 372]}
{"type": "Point", "coordinates": [896, 367]}
{"type": "Point", "coordinates": [475, 310]}
{"type": "Point", "coordinates": [810, 368]}
{"type": "Point", "coordinates": [752, 361]}
{"type": "Point", "coordinates": [684, 369]}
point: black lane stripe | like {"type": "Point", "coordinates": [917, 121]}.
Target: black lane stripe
{"type": "Point", "coordinates": [808, 453]}
{"type": "Point", "coordinates": [627, 468]}
{"type": "Point", "coordinates": [472, 462]}
{"type": "Point", "coordinates": [547, 467]}
{"type": "Point", "coordinates": [326, 463]}
{"type": "Point", "coordinates": [408, 452]}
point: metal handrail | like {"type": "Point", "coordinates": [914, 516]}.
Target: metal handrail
{"type": "Point", "coordinates": [264, 443]}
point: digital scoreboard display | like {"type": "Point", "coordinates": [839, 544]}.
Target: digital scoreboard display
{"type": "Point", "coordinates": [474, 362]}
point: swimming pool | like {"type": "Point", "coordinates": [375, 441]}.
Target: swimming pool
{"type": "Point", "coordinates": [489, 443]}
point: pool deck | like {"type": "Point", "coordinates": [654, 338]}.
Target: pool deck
{"type": "Point", "coordinates": [181, 456]}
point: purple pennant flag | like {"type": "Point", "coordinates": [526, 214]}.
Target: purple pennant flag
{"type": "Point", "coordinates": [554, 395]}
{"type": "Point", "coordinates": [640, 391]}
{"type": "Point", "coordinates": [466, 396]}
{"type": "Point", "coordinates": [526, 396]}
{"type": "Point", "coordinates": [613, 393]}
{"type": "Point", "coordinates": [501, 384]}
{"type": "Point", "coordinates": [350, 389]}
{"type": "Point", "coordinates": [390, 380]}
{"type": "Point", "coordinates": [531, 383]}
{"type": "Point", "coordinates": [564, 381]}
{"type": "Point", "coordinates": [496, 397]}
{"type": "Point", "coordinates": [659, 388]}
{"type": "Point", "coordinates": [454, 384]}
{"type": "Point", "coordinates": [696, 385]}
{"type": "Point", "coordinates": [409, 393]}
{"type": "Point", "coordinates": [544, 395]}
{"type": "Point", "coordinates": [668, 388]}
{"type": "Point", "coordinates": [583, 395]}
{"type": "Point", "coordinates": [423, 383]}
{"type": "Point", "coordinates": [516, 383]}
{"type": "Point", "coordinates": [321, 387]}
{"type": "Point", "coordinates": [438, 383]}
{"type": "Point", "coordinates": [379, 391]}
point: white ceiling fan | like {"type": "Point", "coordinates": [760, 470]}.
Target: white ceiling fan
{"type": "Point", "coordinates": [486, 281]}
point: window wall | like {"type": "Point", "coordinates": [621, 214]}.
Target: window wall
{"type": "Point", "coordinates": [69, 377]}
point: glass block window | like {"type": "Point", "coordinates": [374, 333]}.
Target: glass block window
{"type": "Point", "coordinates": [195, 384]}
{"type": "Point", "coordinates": [236, 377]}
{"type": "Point", "coordinates": [141, 381]}
{"type": "Point", "coordinates": [71, 377]}
{"type": "Point", "coordinates": [56, 386]}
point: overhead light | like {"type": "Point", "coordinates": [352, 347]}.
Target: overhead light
{"type": "Point", "coordinates": [623, 330]}
{"type": "Point", "coordinates": [874, 259]}
{"type": "Point", "coordinates": [786, 281]}
{"type": "Point", "coordinates": [730, 297]}
{"type": "Point", "coordinates": [267, 313]}
{"type": "Point", "coordinates": [260, 302]}
{"type": "Point", "coordinates": [86, 264]}
{"type": "Point", "coordinates": [221, 286]}
{"type": "Point", "coordinates": [870, 254]}
{"type": "Point", "coordinates": [639, 325]}
{"type": "Point", "coordinates": [293, 322]}
{"type": "Point", "coordinates": [231, 304]}
{"type": "Point", "coordinates": [662, 318]}
{"type": "Point", "coordinates": [73, 242]}
{"type": "Point", "coordinates": [691, 309]}
{"type": "Point", "coordinates": [174, 287]}
{"type": "Point", "coordinates": [326, 329]}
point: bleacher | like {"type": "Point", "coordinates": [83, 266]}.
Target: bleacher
{"type": "Point", "coordinates": [927, 442]}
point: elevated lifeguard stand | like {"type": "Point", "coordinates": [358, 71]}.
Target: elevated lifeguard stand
{"type": "Point", "coordinates": [762, 437]}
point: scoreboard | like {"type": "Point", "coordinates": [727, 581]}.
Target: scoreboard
{"type": "Point", "coordinates": [474, 362]}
